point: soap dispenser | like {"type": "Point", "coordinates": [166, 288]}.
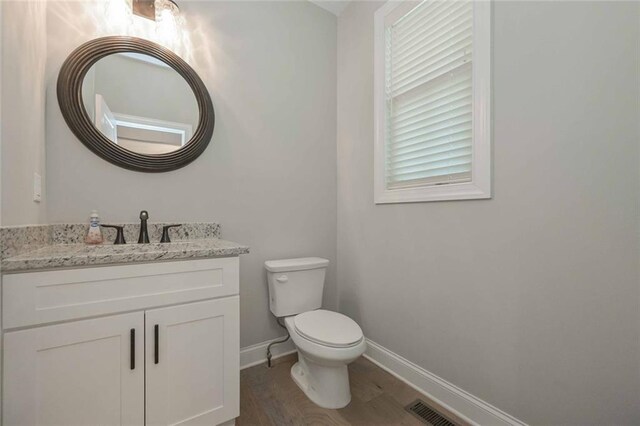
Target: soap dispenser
{"type": "Point", "coordinates": [94, 234]}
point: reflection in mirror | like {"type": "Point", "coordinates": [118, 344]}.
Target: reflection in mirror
{"type": "Point", "coordinates": [140, 103]}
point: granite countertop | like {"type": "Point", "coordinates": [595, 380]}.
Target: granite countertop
{"type": "Point", "coordinates": [77, 255]}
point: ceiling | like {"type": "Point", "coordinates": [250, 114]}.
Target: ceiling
{"type": "Point", "coordinates": [334, 6]}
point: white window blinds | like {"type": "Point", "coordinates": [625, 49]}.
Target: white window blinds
{"type": "Point", "coordinates": [428, 94]}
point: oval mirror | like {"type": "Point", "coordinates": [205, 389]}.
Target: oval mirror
{"type": "Point", "coordinates": [135, 104]}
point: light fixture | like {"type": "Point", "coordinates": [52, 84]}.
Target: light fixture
{"type": "Point", "coordinates": [155, 10]}
{"type": "Point", "coordinates": [166, 10]}
{"type": "Point", "coordinates": [166, 22]}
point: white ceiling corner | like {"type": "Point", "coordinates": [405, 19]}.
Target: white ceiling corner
{"type": "Point", "coordinates": [334, 6]}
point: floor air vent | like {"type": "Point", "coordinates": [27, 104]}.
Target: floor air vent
{"type": "Point", "coordinates": [425, 413]}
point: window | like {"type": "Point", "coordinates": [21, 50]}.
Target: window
{"type": "Point", "coordinates": [432, 101]}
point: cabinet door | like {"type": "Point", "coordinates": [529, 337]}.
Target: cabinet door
{"type": "Point", "coordinates": [87, 372]}
{"type": "Point", "coordinates": [193, 363]}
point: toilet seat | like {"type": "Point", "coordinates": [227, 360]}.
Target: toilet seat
{"type": "Point", "coordinates": [328, 328]}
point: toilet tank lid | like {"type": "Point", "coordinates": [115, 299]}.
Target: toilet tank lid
{"type": "Point", "coordinates": [300, 264]}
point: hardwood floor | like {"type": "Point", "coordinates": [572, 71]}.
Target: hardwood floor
{"type": "Point", "coordinates": [269, 397]}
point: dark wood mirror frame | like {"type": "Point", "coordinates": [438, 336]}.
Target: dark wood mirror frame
{"type": "Point", "coordinates": [69, 91]}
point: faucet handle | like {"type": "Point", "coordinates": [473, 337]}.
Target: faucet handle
{"type": "Point", "coordinates": [119, 233]}
{"type": "Point", "coordinates": [143, 238]}
{"type": "Point", "coordinates": [165, 233]}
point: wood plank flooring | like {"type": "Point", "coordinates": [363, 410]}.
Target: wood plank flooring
{"type": "Point", "coordinates": [269, 397]}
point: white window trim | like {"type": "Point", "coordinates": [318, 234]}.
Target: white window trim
{"type": "Point", "coordinates": [136, 122]}
{"type": "Point", "coordinates": [480, 185]}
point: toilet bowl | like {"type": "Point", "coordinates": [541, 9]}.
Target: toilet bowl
{"type": "Point", "coordinates": [326, 341]}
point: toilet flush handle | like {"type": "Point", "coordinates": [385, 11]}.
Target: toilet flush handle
{"type": "Point", "coordinates": [282, 279]}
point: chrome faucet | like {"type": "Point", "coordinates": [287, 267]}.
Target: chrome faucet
{"type": "Point", "coordinates": [144, 233]}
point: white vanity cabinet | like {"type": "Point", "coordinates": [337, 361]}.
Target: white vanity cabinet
{"type": "Point", "coordinates": [78, 373]}
{"type": "Point", "coordinates": [192, 363]}
{"type": "Point", "coordinates": [154, 344]}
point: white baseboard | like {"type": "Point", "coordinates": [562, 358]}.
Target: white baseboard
{"type": "Point", "coordinates": [461, 403]}
{"type": "Point", "coordinates": [257, 354]}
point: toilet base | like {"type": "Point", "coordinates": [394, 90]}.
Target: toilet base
{"type": "Point", "coordinates": [326, 386]}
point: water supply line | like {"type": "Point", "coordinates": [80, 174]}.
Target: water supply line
{"type": "Point", "coordinates": [276, 342]}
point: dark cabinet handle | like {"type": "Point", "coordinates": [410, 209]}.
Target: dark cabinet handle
{"type": "Point", "coordinates": [132, 338]}
{"type": "Point", "coordinates": [156, 338]}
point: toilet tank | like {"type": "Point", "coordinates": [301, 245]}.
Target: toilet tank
{"type": "Point", "coordinates": [295, 285]}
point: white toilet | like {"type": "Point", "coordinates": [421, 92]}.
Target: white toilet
{"type": "Point", "coordinates": [326, 341]}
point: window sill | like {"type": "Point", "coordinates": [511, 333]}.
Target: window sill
{"type": "Point", "coordinates": [452, 192]}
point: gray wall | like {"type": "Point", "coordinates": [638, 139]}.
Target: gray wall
{"type": "Point", "coordinates": [23, 122]}
{"type": "Point", "coordinates": [530, 300]}
{"type": "Point", "coordinates": [269, 175]}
